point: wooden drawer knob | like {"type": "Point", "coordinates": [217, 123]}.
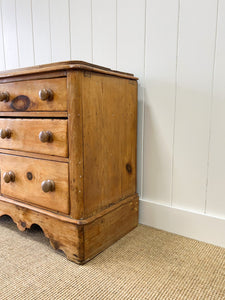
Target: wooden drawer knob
{"type": "Point", "coordinates": [4, 96]}
{"type": "Point", "coordinates": [46, 94]}
{"type": "Point", "coordinates": [46, 136]}
{"type": "Point", "coordinates": [9, 177]}
{"type": "Point", "coordinates": [5, 133]}
{"type": "Point", "coordinates": [48, 186]}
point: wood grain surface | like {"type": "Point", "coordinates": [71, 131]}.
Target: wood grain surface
{"type": "Point", "coordinates": [25, 135]}
{"type": "Point", "coordinates": [29, 190]}
{"type": "Point", "coordinates": [80, 243]}
{"type": "Point", "coordinates": [62, 235]}
{"type": "Point", "coordinates": [109, 140]}
{"type": "Point", "coordinates": [75, 140]}
{"type": "Point", "coordinates": [24, 95]}
{"type": "Point", "coordinates": [67, 65]}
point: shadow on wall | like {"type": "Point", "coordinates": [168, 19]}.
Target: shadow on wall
{"type": "Point", "coordinates": [159, 103]}
{"type": "Point", "coordinates": [140, 138]}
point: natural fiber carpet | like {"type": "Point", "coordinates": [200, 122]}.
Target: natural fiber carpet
{"type": "Point", "coordinates": [145, 264]}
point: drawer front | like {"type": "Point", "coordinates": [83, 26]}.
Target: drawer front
{"type": "Point", "coordinates": [46, 136]}
{"type": "Point", "coordinates": [23, 178]}
{"type": "Point", "coordinates": [24, 95]}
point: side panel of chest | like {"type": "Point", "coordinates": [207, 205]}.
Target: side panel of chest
{"type": "Point", "coordinates": [109, 140]}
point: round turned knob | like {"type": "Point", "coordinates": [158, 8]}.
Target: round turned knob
{"type": "Point", "coordinates": [9, 177]}
{"type": "Point", "coordinates": [46, 94]}
{"type": "Point", "coordinates": [46, 136]}
{"type": "Point", "coordinates": [4, 96]}
{"type": "Point", "coordinates": [5, 133]}
{"type": "Point", "coordinates": [48, 186]}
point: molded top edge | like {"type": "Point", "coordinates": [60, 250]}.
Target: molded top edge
{"type": "Point", "coordinates": [65, 65]}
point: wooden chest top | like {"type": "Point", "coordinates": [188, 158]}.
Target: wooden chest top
{"type": "Point", "coordinates": [63, 66]}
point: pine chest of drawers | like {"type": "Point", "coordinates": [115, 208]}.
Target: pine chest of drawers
{"type": "Point", "coordinates": [68, 154]}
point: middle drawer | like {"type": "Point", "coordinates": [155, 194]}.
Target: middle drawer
{"type": "Point", "coordinates": [36, 181]}
{"type": "Point", "coordinates": [46, 136]}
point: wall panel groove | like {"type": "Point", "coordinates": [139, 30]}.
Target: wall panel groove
{"type": "Point", "coordinates": [175, 103]}
{"type": "Point", "coordinates": [215, 205]}
{"type": "Point", "coordinates": [69, 29]}
{"type": "Point", "coordinates": [32, 30]}
{"type": "Point", "coordinates": [10, 34]}
{"type": "Point", "coordinates": [24, 33]}
{"type": "Point", "coordinates": [104, 37]}
{"type": "Point", "coordinates": [41, 29]}
{"type": "Point", "coordinates": [141, 119]}
{"type": "Point", "coordinates": [194, 83]}
{"type": "Point", "coordinates": [2, 47]}
{"type": "Point", "coordinates": [50, 29]}
{"type": "Point", "coordinates": [59, 29]}
{"type": "Point", "coordinates": [81, 31]}
{"type": "Point", "coordinates": [211, 106]}
{"type": "Point", "coordinates": [160, 76]}
{"type": "Point", "coordinates": [92, 33]}
{"type": "Point", "coordinates": [17, 40]}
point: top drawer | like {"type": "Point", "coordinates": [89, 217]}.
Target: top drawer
{"type": "Point", "coordinates": [26, 95]}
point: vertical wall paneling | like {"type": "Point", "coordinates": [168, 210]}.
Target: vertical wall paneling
{"type": "Point", "coordinates": [81, 30]}
{"type": "Point", "coordinates": [60, 33]}
{"type": "Point", "coordinates": [2, 54]}
{"type": "Point", "coordinates": [197, 29]}
{"type": "Point", "coordinates": [160, 86]}
{"type": "Point", "coordinates": [41, 29]}
{"type": "Point", "coordinates": [10, 34]}
{"type": "Point", "coordinates": [104, 32]}
{"type": "Point", "coordinates": [130, 35]}
{"type": "Point", "coordinates": [25, 32]}
{"type": "Point", "coordinates": [177, 49]}
{"type": "Point", "coordinates": [216, 175]}
{"type": "Point", "coordinates": [130, 56]}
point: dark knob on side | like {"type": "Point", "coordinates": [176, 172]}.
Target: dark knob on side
{"type": "Point", "coordinates": [46, 94]}
{"type": "Point", "coordinates": [4, 96]}
{"type": "Point", "coordinates": [9, 176]}
{"type": "Point", "coordinates": [46, 136]}
{"type": "Point", "coordinates": [5, 133]}
{"type": "Point", "coordinates": [48, 186]}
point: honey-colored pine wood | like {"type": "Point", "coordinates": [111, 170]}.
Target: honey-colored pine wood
{"type": "Point", "coordinates": [75, 137]}
{"type": "Point", "coordinates": [63, 235]}
{"type": "Point", "coordinates": [24, 95]}
{"type": "Point", "coordinates": [35, 155]}
{"type": "Point", "coordinates": [68, 159]}
{"type": "Point", "coordinates": [66, 217]}
{"type": "Point", "coordinates": [25, 135]}
{"type": "Point", "coordinates": [81, 242]}
{"type": "Point", "coordinates": [109, 228]}
{"type": "Point", "coordinates": [36, 114]}
{"type": "Point", "coordinates": [34, 76]}
{"type": "Point", "coordinates": [63, 66]}
{"type": "Point", "coordinates": [109, 136]}
{"type": "Point", "coordinates": [29, 189]}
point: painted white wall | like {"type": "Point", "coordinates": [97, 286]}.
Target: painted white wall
{"type": "Point", "coordinates": [177, 49]}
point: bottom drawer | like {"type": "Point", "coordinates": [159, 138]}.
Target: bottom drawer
{"type": "Point", "coordinates": [41, 182]}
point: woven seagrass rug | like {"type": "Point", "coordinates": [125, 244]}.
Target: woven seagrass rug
{"type": "Point", "coordinates": [145, 264]}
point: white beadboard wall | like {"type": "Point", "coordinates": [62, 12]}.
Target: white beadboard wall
{"type": "Point", "coordinates": [177, 49]}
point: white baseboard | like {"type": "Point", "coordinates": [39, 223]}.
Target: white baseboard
{"type": "Point", "coordinates": [186, 223]}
